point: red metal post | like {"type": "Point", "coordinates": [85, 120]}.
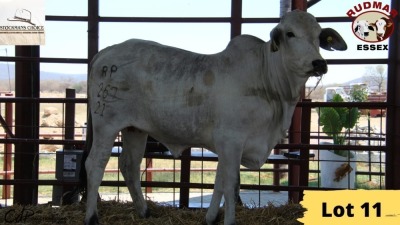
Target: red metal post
{"type": "Point", "coordinates": [185, 179]}
{"type": "Point", "coordinates": [299, 4]}
{"type": "Point", "coordinates": [8, 149]}
{"type": "Point", "coordinates": [149, 173]}
{"type": "Point", "coordinates": [295, 128]}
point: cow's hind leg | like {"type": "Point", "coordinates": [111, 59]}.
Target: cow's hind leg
{"type": "Point", "coordinates": [134, 145]}
{"type": "Point", "coordinates": [103, 141]}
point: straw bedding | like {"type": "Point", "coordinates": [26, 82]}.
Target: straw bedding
{"type": "Point", "coordinates": [117, 213]}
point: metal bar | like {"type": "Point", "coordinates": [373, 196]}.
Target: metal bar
{"type": "Point", "coordinates": [67, 18]}
{"type": "Point", "coordinates": [299, 4]}
{"type": "Point", "coordinates": [85, 61]}
{"type": "Point", "coordinates": [7, 163]}
{"type": "Point", "coordinates": [185, 179]}
{"type": "Point", "coordinates": [279, 146]}
{"type": "Point", "coordinates": [51, 135]}
{"type": "Point", "coordinates": [236, 18]}
{"type": "Point", "coordinates": [149, 173]}
{"type": "Point", "coordinates": [356, 61]}
{"type": "Point", "coordinates": [361, 105]}
{"type": "Point", "coordinates": [26, 164]}
{"type": "Point", "coordinates": [93, 28]}
{"type": "Point", "coordinates": [295, 127]}
{"type": "Point", "coordinates": [69, 118]}
{"type": "Point", "coordinates": [43, 100]}
{"type": "Point", "coordinates": [294, 138]}
{"type": "Point", "coordinates": [304, 166]}
{"type": "Point", "coordinates": [42, 59]}
{"type": "Point", "coordinates": [5, 126]}
{"type": "Point", "coordinates": [310, 3]}
{"type": "Point", "coordinates": [158, 184]}
{"type": "Point", "coordinates": [393, 111]}
{"type": "Point", "coordinates": [184, 19]}
{"type": "Point", "coordinates": [166, 19]}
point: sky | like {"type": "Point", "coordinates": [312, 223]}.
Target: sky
{"type": "Point", "coordinates": [69, 39]}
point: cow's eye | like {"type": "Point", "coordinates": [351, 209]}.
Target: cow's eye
{"type": "Point", "coordinates": [290, 34]}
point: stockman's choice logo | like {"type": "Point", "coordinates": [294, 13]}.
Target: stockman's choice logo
{"type": "Point", "coordinates": [373, 23]}
{"type": "Point", "coordinates": [22, 22]}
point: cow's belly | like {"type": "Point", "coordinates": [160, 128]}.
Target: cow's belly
{"type": "Point", "coordinates": [175, 123]}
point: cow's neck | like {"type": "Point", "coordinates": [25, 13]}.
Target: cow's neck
{"type": "Point", "coordinates": [278, 80]}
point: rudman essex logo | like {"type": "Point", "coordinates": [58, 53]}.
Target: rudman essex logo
{"type": "Point", "coordinates": [373, 23]}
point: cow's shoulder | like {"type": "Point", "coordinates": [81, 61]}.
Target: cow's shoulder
{"type": "Point", "coordinates": [245, 42]}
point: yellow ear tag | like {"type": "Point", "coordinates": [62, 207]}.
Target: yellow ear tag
{"type": "Point", "coordinates": [329, 39]}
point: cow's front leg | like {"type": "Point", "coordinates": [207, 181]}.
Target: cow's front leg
{"type": "Point", "coordinates": [230, 180]}
{"type": "Point", "coordinates": [228, 177]}
{"type": "Point", "coordinates": [212, 212]}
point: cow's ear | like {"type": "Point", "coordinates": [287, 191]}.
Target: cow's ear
{"type": "Point", "coordinates": [275, 34]}
{"type": "Point", "coordinates": [330, 40]}
{"type": "Point", "coordinates": [371, 26]}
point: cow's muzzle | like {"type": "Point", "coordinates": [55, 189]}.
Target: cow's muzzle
{"type": "Point", "coordinates": [319, 67]}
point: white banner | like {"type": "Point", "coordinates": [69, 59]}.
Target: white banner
{"type": "Point", "coordinates": [22, 22]}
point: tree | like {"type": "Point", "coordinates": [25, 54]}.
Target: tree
{"type": "Point", "coordinates": [359, 93]}
{"type": "Point", "coordinates": [376, 77]}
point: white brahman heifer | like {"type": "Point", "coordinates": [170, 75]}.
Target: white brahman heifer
{"type": "Point", "coordinates": [237, 103]}
{"type": "Point", "coordinates": [362, 28]}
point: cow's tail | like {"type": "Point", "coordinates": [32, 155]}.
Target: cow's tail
{"type": "Point", "coordinates": [88, 141]}
{"type": "Point", "coordinates": [86, 150]}
{"type": "Point", "coordinates": [81, 189]}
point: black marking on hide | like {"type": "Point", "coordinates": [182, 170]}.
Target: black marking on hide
{"type": "Point", "coordinates": [193, 98]}
{"type": "Point", "coordinates": [114, 69]}
{"type": "Point", "coordinates": [100, 108]}
{"type": "Point", "coordinates": [104, 71]}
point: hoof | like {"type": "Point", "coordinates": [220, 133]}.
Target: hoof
{"type": "Point", "coordinates": [213, 222]}
{"type": "Point", "coordinates": [94, 220]}
{"type": "Point", "coordinates": [147, 214]}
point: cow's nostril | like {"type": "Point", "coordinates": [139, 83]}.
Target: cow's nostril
{"type": "Point", "coordinates": [366, 34]}
{"type": "Point", "coordinates": [320, 66]}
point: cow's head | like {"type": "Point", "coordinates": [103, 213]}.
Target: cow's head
{"type": "Point", "coordinates": [362, 28]}
{"type": "Point", "coordinates": [381, 25]}
{"type": "Point", "coordinates": [297, 39]}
